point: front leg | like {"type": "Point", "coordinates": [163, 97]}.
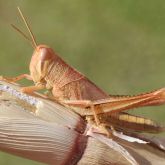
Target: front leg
{"type": "Point", "coordinates": [31, 89]}
{"type": "Point", "coordinates": [15, 79]}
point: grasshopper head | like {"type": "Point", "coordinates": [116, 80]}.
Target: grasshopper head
{"type": "Point", "coordinates": [42, 56]}
{"type": "Point", "coordinates": [40, 62]}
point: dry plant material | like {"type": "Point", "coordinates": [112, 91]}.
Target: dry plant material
{"type": "Point", "coordinates": [43, 130]}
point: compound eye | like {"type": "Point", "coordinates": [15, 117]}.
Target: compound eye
{"type": "Point", "coordinates": [45, 54]}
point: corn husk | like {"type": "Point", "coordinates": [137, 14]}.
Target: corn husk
{"type": "Point", "coordinates": [40, 129]}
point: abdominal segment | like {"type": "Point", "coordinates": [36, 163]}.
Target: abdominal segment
{"type": "Point", "coordinates": [126, 122]}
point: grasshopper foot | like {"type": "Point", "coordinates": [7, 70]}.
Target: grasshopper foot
{"type": "Point", "coordinates": [103, 129]}
{"type": "Point", "coordinates": [100, 128]}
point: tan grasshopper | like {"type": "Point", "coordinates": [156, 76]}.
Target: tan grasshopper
{"type": "Point", "coordinates": [73, 89]}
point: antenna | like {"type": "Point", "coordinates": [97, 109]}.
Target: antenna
{"type": "Point", "coordinates": [28, 28]}
{"type": "Point", "coordinates": [22, 33]}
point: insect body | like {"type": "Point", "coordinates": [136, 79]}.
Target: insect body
{"type": "Point", "coordinates": [47, 68]}
{"type": "Point", "coordinates": [73, 89]}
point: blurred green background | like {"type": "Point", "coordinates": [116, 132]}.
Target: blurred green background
{"type": "Point", "coordinates": [119, 45]}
